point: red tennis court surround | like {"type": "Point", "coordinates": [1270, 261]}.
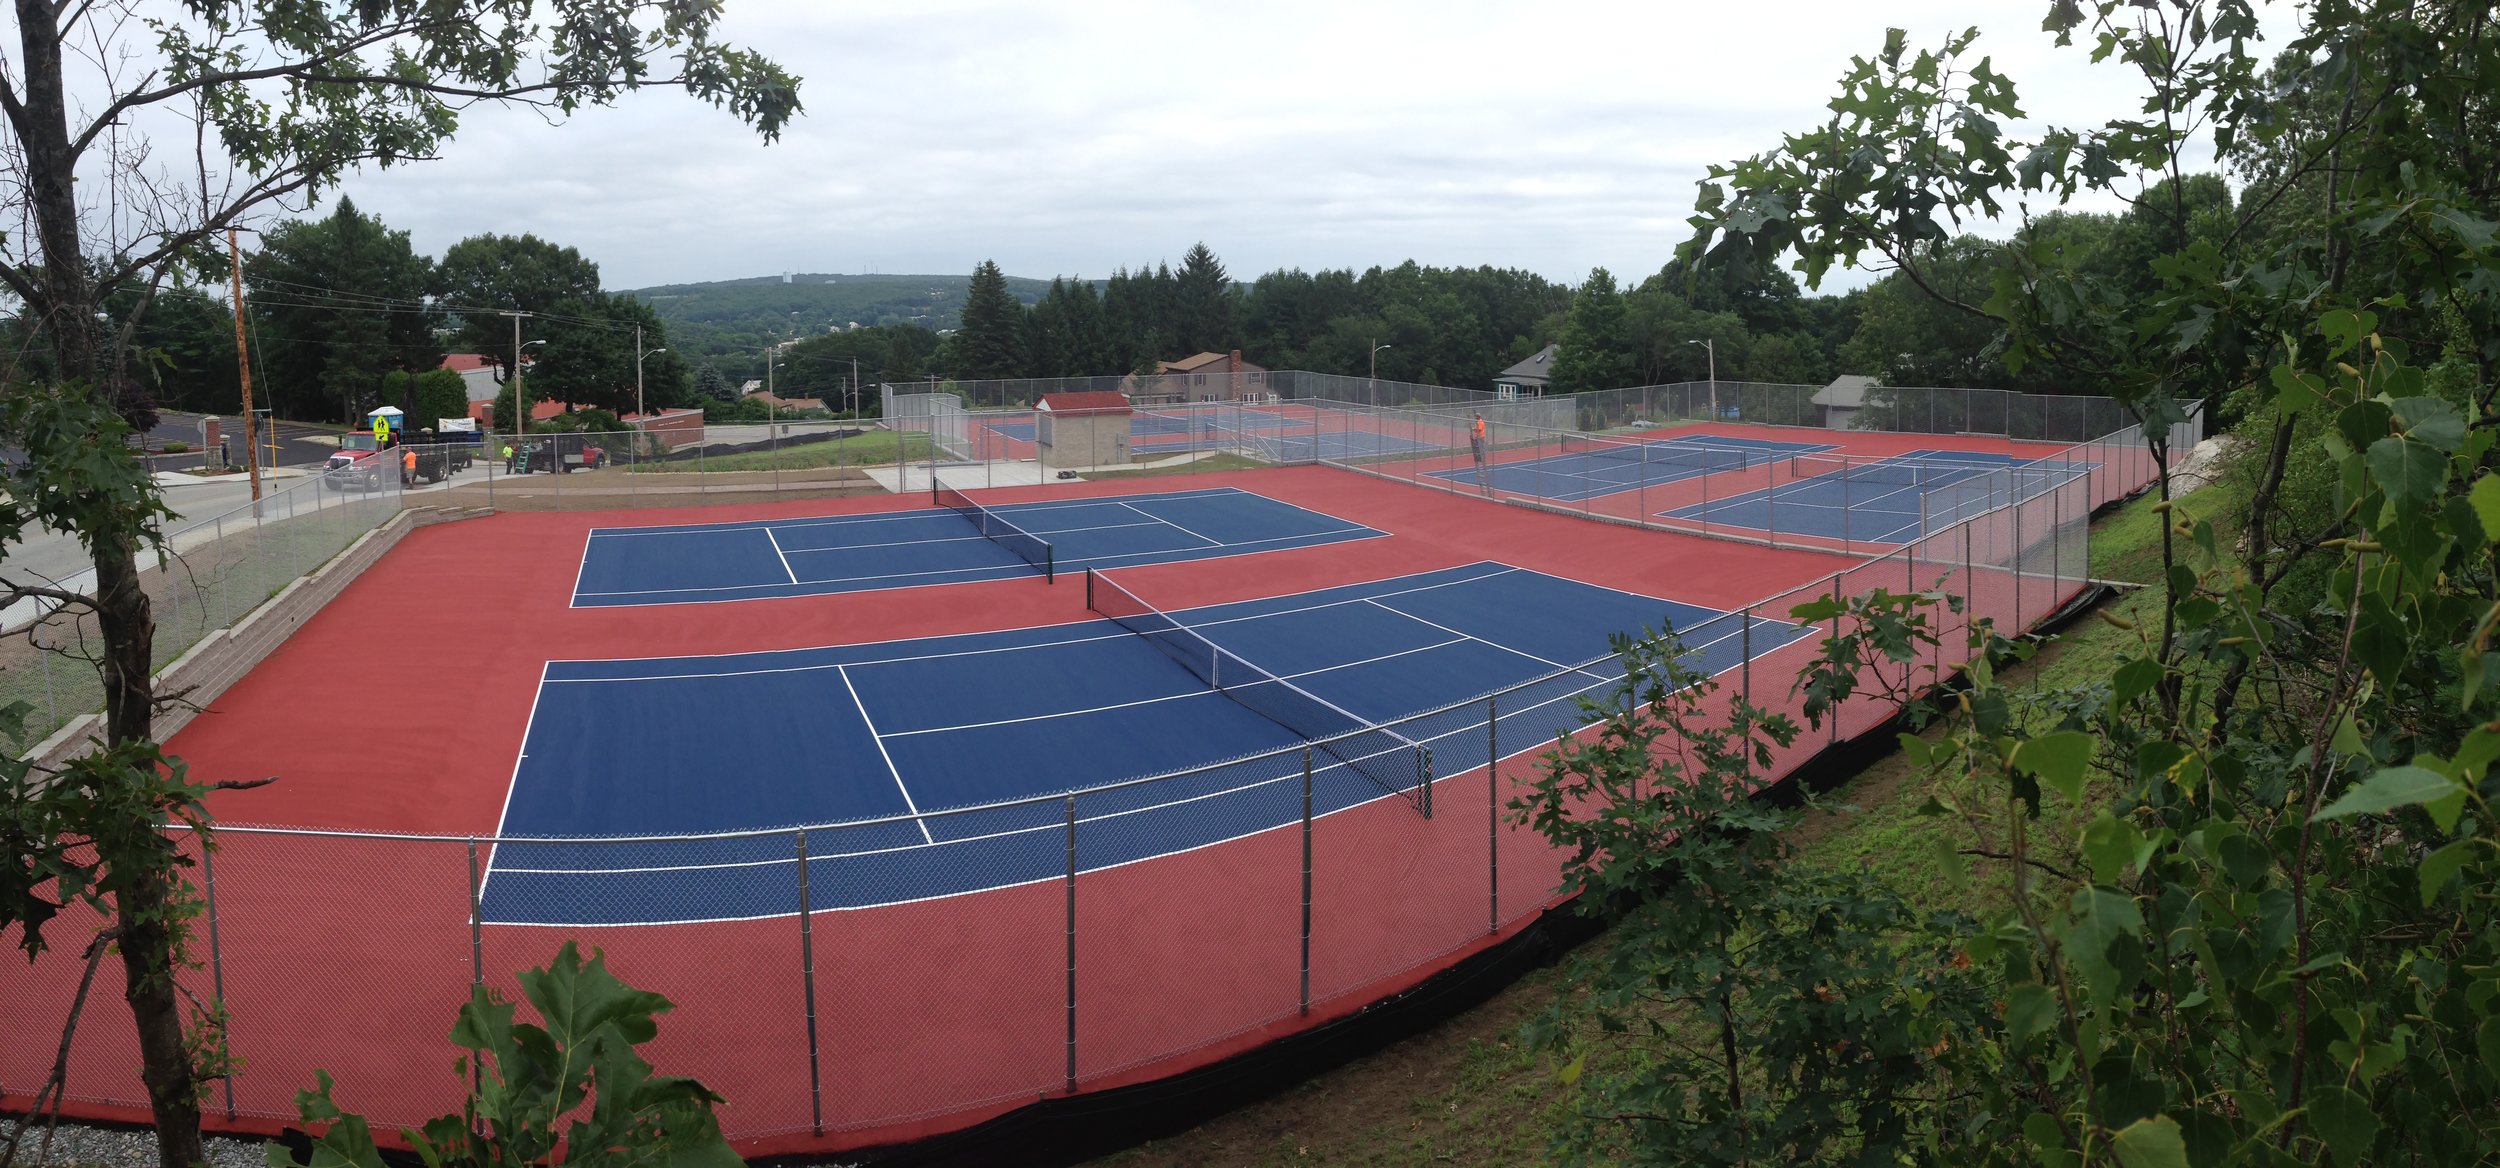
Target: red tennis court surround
{"type": "Point", "coordinates": [344, 937]}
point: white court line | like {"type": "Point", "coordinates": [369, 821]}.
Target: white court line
{"type": "Point", "coordinates": [1017, 570]}
{"type": "Point", "coordinates": [847, 547]}
{"type": "Point", "coordinates": [1471, 637]}
{"type": "Point", "coordinates": [911, 515]}
{"type": "Point", "coordinates": [513, 784]}
{"type": "Point", "coordinates": [1501, 570]}
{"type": "Point", "coordinates": [1172, 525]}
{"type": "Point", "coordinates": [1192, 693]}
{"type": "Point", "coordinates": [1536, 745]}
{"type": "Point", "coordinates": [890, 769]}
{"type": "Point", "coordinates": [777, 554]}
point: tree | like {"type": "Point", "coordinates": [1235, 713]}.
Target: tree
{"type": "Point", "coordinates": [1840, 987]}
{"type": "Point", "coordinates": [286, 99]}
{"type": "Point", "coordinates": [2276, 939]}
{"type": "Point", "coordinates": [1595, 353]}
{"type": "Point", "coordinates": [345, 302]}
{"type": "Point", "coordinates": [710, 386]}
{"type": "Point", "coordinates": [1202, 303]}
{"type": "Point", "coordinates": [485, 277]}
{"type": "Point", "coordinates": [429, 396]}
{"type": "Point", "coordinates": [991, 342]}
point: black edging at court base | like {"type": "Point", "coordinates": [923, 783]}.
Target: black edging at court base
{"type": "Point", "coordinates": [1091, 1124]}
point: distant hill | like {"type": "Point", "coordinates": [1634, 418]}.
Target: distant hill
{"type": "Point", "coordinates": [763, 306]}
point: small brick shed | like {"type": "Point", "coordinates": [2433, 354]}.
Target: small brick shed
{"type": "Point", "coordinates": [1079, 430]}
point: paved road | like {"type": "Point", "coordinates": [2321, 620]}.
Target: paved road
{"type": "Point", "coordinates": [298, 445]}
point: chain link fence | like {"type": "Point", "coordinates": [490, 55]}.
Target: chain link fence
{"type": "Point", "coordinates": [857, 982]}
{"type": "Point", "coordinates": [212, 569]}
{"type": "Point", "coordinates": [863, 982]}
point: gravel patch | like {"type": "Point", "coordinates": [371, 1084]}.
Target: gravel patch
{"type": "Point", "coordinates": [81, 1146]}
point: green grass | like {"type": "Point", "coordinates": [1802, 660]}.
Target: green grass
{"type": "Point", "coordinates": [873, 448]}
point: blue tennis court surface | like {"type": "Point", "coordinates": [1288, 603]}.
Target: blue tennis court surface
{"type": "Point", "coordinates": [1611, 466]}
{"type": "Point", "coordinates": [893, 733]}
{"type": "Point", "coordinates": [903, 549]}
{"type": "Point", "coordinates": [1892, 500]}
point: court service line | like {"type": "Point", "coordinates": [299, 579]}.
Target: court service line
{"type": "Point", "coordinates": [890, 769]}
{"type": "Point", "coordinates": [779, 555]}
{"type": "Point", "coordinates": [1470, 636]}
{"type": "Point", "coordinates": [1500, 570]}
{"type": "Point", "coordinates": [1172, 525]}
{"type": "Point", "coordinates": [1193, 692]}
{"type": "Point", "coordinates": [848, 547]}
{"type": "Point", "coordinates": [1009, 571]}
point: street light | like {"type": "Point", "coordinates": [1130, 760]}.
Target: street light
{"type": "Point", "coordinates": [638, 356]}
{"type": "Point", "coordinates": [1711, 344]}
{"type": "Point", "coordinates": [1374, 387]}
{"type": "Point", "coordinates": [520, 394]}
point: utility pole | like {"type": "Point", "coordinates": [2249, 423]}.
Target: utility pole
{"type": "Point", "coordinates": [520, 404]}
{"type": "Point", "coordinates": [243, 365]}
{"type": "Point", "coordinates": [854, 387]}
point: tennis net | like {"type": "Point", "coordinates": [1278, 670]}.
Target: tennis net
{"type": "Point", "coordinates": [995, 528]}
{"type": "Point", "coordinates": [1889, 472]}
{"type": "Point", "coordinates": [1694, 456]}
{"type": "Point", "coordinates": [1399, 765]}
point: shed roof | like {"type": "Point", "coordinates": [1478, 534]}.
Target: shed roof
{"type": "Point", "coordinates": [1098, 401]}
{"type": "Point", "coordinates": [1534, 371]}
{"type": "Point", "coordinates": [1847, 391]}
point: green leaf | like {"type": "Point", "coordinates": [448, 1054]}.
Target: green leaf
{"type": "Point", "coordinates": [2488, 1039]}
{"type": "Point", "coordinates": [2486, 500]}
{"type": "Point", "coordinates": [1949, 860]}
{"type": "Point", "coordinates": [2029, 1010]}
{"type": "Point", "coordinates": [2432, 421]}
{"type": "Point", "coordinates": [2059, 759]}
{"type": "Point", "coordinates": [2343, 1120]}
{"type": "Point", "coordinates": [2389, 789]}
{"type": "Point", "coordinates": [2408, 471]}
{"type": "Point", "coordinates": [2047, 1140]}
{"type": "Point", "coordinates": [2110, 844]}
{"type": "Point", "coordinates": [2151, 1143]}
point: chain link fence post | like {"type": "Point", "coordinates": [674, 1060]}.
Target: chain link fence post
{"type": "Point", "coordinates": [807, 976]}
{"type": "Point", "coordinates": [1306, 880]}
{"type": "Point", "coordinates": [1071, 1075]}
{"type": "Point", "coordinates": [1492, 815]}
{"type": "Point", "coordinates": [217, 964]}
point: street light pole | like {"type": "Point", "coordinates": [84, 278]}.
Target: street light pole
{"type": "Point", "coordinates": [1711, 345]}
{"type": "Point", "coordinates": [520, 404]}
{"type": "Point", "coordinates": [639, 411]}
{"type": "Point", "coordinates": [1374, 387]}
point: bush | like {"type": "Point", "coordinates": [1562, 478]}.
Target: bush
{"type": "Point", "coordinates": [176, 448]}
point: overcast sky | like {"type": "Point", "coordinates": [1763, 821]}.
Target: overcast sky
{"type": "Point", "coordinates": [1071, 138]}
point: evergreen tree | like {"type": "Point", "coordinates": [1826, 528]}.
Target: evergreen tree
{"type": "Point", "coordinates": [341, 302]}
{"type": "Point", "coordinates": [1202, 304]}
{"type": "Point", "coordinates": [1595, 353]}
{"type": "Point", "coordinates": [710, 385]}
{"type": "Point", "coordinates": [991, 342]}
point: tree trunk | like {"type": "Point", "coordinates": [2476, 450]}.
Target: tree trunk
{"type": "Point", "coordinates": [66, 310]}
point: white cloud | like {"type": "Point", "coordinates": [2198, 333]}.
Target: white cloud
{"type": "Point", "coordinates": [1073, 138]}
